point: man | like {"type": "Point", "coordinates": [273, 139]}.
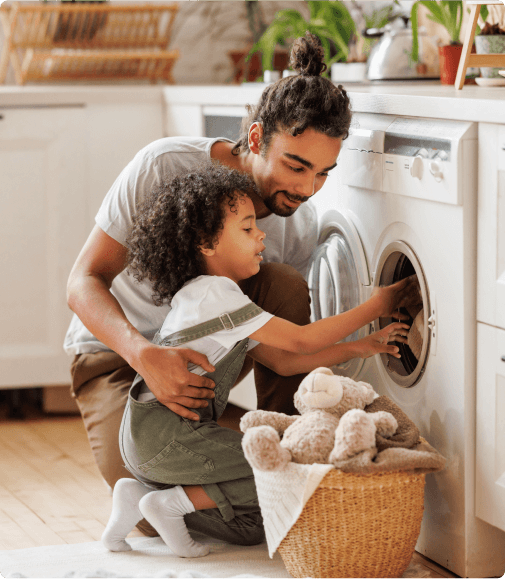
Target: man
{"type": "Point", "coordinates": [291, 141]}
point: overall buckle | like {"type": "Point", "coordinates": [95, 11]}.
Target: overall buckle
{"type": "Point", "coordinates": [226, 321]}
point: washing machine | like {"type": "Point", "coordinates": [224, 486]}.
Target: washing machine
{"type": "Point", "coordinates": [402, 201]}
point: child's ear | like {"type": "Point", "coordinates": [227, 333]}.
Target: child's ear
{"type": "Point", "coordinates": [255, 137]}
{"type": "Point", "coordinates": [206, 250]}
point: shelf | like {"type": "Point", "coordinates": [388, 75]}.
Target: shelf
{"type": "Point", "coordinates": [62, 41]}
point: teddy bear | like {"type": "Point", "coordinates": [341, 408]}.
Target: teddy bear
{"type": "Point", "coordinates": [332, 426]}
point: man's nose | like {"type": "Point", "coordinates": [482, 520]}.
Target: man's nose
{"type": "Point", "coordinates": [306, 186]}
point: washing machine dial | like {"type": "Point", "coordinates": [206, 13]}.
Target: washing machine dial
{"type": "Point", "coordinates": [436, 171]}
{"type": "Point", "coordinates": [416, 169]}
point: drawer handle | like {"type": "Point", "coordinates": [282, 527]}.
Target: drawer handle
{"type": "Point", "coordinates": [503, 358]}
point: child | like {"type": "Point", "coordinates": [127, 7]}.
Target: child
{"type": "Point", "coordinates": [195, 240]}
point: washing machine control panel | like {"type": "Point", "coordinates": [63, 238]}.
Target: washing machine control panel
{"type": "Point", "coordinates": [419, 158]}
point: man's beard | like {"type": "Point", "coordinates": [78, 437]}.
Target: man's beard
{"type": "Point", "coordinates": [278, 208]}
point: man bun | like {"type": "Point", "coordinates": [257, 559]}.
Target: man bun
{"type": "Point", "coordinates": [307, 56]}
{"type": "Point", "coordinates": [300, 101]}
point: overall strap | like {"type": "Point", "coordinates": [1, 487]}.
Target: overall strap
{"type": "Point", "coordinates": [225, 321]}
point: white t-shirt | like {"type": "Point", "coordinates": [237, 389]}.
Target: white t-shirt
{"type": "Point", "coordinates": [288, 240]}
{"type": "Point", "coordinates": [200, 300]}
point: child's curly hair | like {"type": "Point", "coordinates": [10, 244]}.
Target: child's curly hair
{"type": "Point", "coordinates": [179, 217]}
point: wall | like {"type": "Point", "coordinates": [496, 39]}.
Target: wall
{"type": "Point", "coordinates": [205, 31]}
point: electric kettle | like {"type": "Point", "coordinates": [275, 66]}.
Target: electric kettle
{"type": "Point", "coordinates": [390, 57]}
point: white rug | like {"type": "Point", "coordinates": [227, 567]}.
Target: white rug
{"type": "Point", "coordinates": [150, 558]}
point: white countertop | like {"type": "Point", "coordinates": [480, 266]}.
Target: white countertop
{"type": "Point", "coordinates": [78, 94]}
{"type": "Point", "coordinates": [426, 99]}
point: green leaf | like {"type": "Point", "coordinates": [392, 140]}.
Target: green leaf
{"type": "Point", "coordinates": [414, 55]}
{"type": "Point", "coordinates": [434, 8]}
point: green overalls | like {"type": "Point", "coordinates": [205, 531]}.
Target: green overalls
{"type": "Point", "coordinates": [162, 449]}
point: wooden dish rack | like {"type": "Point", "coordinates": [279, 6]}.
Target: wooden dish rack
{"type": "Point", "coordinates": [62, 41]}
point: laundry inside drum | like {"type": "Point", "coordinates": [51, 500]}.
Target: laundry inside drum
{"type": "Point", "coordinates": [410, 352]}
{"type": "Point", "coordinates": [407, 369]}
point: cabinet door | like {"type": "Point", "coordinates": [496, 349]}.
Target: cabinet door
{"type": "Point", "coordinates": [490, 450]}
{"type": "Point", "coordinates": [42, 228]}
{"type": "Point", "coordinates": [491, 231]}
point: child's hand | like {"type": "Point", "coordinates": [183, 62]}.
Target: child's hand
{"type": "Point", "coordinates": [378, 342]}
{"type": "Point", "coordinates": [404, 293]}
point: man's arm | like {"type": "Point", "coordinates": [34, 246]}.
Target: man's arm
{"type": "Point", "coordinates": [164, 369]}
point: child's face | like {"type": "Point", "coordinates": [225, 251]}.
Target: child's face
{"type": "Point", "coordinates": [236, 254]}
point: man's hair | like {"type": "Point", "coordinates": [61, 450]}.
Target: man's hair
{"type": "Point", "coordinates": [295, 103]}
{"type": "Point", "coordinates": [179, 217]}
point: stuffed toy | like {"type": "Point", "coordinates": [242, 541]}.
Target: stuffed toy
{"type": "Point", "coordinates": [332, 428]}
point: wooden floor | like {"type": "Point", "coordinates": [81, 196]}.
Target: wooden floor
{"type": "Point", "coordinates": [51, 492]}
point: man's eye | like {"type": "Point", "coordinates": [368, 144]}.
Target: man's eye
{"type": "Point", "coordinates": [296, 169]}
{"type": "Point", "coordinates": [324, 174]}
{"type": "Point", "coordinates": [248, 229]}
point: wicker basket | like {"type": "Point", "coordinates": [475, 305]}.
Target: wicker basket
{"type": "Point", "coordinates": [357, 526]}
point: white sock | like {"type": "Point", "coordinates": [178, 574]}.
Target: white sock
{"type": "Point", "coordinates": [165, 511]}
{"type": "Point", "coordinates": [125, 513]}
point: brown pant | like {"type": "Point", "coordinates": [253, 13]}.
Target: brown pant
{"type": "Point", "coordinates": [101, 381]}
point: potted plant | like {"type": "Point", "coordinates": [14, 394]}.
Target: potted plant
{"type": "Point", "coordinates": [331, 22]}
{"type": "Point", "coordinates": [490, 39]}
{"type": "Point", "coordinates": [249, 69]}
{"type": "Point", "coordinates": [448, 13]}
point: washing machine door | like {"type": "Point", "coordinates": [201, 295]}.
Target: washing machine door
{"type": "Point", "coordinates": [339, 278]}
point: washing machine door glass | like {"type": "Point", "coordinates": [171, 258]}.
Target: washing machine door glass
{"type": "Point", "coordinates": [334, 287]}
{"type": "Point", "coordinates": [397, 261]}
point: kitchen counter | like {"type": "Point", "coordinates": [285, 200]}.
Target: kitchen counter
{"type": "Point", "coordinates": [411, 98]}
{"type": "Point", "coordinates": [78, 94]}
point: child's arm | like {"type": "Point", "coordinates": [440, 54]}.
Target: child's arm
{"type": "Point", "coordinates": [314, 337]}
{"type": "Point", "coordinates": [289, 363]}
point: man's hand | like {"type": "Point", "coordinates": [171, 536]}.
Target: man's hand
{"type": "Point", "coordinates": [404, 293]}
{"type": "Point", "coordinates": [166, 373]}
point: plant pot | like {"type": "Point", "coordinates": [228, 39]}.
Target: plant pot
{"type": "Point", "coordinates": [255, 70]}
{"type": "Point", "coordinates": [449, 61]}
{"type": "Point", "coordinates": [490, 44]}
{"type": "Point", "coordinates": [348, 71]}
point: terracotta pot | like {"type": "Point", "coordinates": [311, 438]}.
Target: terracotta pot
{"type": "Point", "coordinates": [255, 69]}
{"type": "Point", "coordinates": [449, 62]}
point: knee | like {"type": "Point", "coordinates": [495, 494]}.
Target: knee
{"type": "Point", "coordinates": [250, 531]}
{"type": "Point", "coordinates": [285, 292]}
{"type": "Point", "coordinates": [277, 275]}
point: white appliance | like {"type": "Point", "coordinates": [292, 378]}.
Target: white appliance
{"type": "Point", "coordinates": [403, 200]}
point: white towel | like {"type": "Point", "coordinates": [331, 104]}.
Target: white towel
{"type": "Point", "coordinates": [282, 495]}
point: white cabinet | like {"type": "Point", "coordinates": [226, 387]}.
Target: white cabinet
{"type": "Point", "coordinates": [490, 424]}
{"type": "Point", "coordinates": [56, 165]}
{"type": "Point", "coordinates": [491, 226]}
{"type": "Point", "coordinates": [43, 167]}
{"type": "Point", "coordinates": [490, 451]}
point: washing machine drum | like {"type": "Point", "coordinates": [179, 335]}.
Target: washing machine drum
{"type": "Point", "coordinates": [335, 288]}
{"type": "Point", "coordinates": [396, 262]}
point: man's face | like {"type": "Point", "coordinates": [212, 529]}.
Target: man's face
{"type": "Point", "coordinates": [293, 168]}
